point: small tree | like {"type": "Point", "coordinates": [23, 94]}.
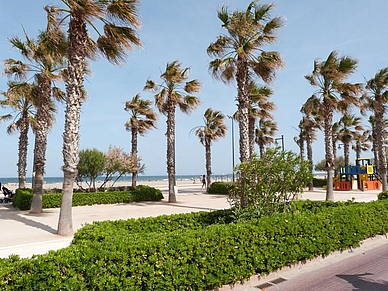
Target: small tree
{"type": "Point", "coordinates": [119, 163]}
{"type": "Point", "coordinates": [269, 184]}
{"type": "Point", "coordinates": [91, 165]}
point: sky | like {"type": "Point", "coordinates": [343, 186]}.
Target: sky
{"type": "Point", "coordinates": [182, 30]}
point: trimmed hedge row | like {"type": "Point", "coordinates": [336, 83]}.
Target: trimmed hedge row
{"type": "Point", "coordinates": [23, 197]}
{"type": "Point", "coordinates": [220, 187]}
{"type": "Point", "coordinates": [196, 259]}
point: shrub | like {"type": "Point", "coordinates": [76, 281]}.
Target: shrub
{"type": "Point", "coordinates": [23, 197]}
{"type": "Point", "coordinates": [220, 188]}
{"type": "Point", "coordinates": [268, 184]}
{"type": "Point", "coordinates": [383, 195]}
{"type": "Point", "coordinates": [319, 182]}
{"type": "Point", "coordinates": [199, 258]}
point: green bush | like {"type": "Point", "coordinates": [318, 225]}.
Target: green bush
{"type": "Point", "coordinates": [220, 188]}
{"type": "Point", "coordinates": [23, 197]}
{"type": "Point", "coordinates": [195, 259]}
{"type": "Point", "coordinates": [382, 195]}
{"type": "Point", "coordinates": [319, 182]}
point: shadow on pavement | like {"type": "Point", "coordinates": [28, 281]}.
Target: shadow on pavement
{"type": "Point", "coordinates": [360, 283]}
{"type": "Point", "coordinates": [8, 212]}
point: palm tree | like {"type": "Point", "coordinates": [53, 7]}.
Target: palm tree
{"type": "Point", "coordinates": [239, 56]}
{"type": "Point", "coordinates": [350, 128]}
{"type": "Point", "coordinates": [120, 21]}
{"type": "Point", "coordinates": [264, 133]}
{"type": "Point", "coordinates": [213, 129]}
{"type": "Point", "coordinates": [142, 119]}
{"type": "Point", "coordinates": [377, 94]}
{"type": "Point", "coordinates": [19, 99]}
{"type": "Point", "coordinates": [260, 107]}
{"type": "Point", "coordinates": [335, 95]}
{"type": "Point", "coordinates": [46, 57]}
{"type": "Point", "coordinates": [310, 123]}
{"type": "Point", "coordinates": [174, 91]}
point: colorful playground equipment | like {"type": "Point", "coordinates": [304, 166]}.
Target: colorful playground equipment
{"type": "Point", "coordinates": [367, 177]}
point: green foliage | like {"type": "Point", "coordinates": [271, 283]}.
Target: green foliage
{"type": "Point", "coordinates": [317, 182]}
{"type": "Point", "coordinates": [382, 195]}
{"type": "Point", "coordinates": [267, 185]}
{"type": "Point", "coordinates": [131, 255]}
{"type": "Point", "coordinates": [220, 188]}
{"type": "Point", "coordinates": [23, 197]}
{"type": "Point", "coordinates": [321, 165]}
{"type": "Point", "coordinates": [91, 165]}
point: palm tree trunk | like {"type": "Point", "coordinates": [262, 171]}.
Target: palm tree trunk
{"type": "Point", "coordinates": [171, 153]}
{"type": "Point", "coordinates": [208, 163]}
{"type": "Point", "coordinates": [251, 130]}
{"type": "Point", "coordinates": [328, 114]}
{"type": "Point", "coordinates": [74, 89]}
{"type": "Point", "coordinates": [347, 154]}
{"type": "Point", "coordinates": [134, 154]}
{"type": "Point", "coordinates": [243, 108]}
{"type": "Point", "coordinates": [23, 145]}
{"type": "Point", "coordinates": [309, 144]}
{"type": "Point", "coordinates": [42, 114]}
{"type": "Point", "coordinates": [382, 165]}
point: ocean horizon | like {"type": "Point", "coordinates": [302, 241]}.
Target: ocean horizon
{"type": "Point", "coordinates": [128, 178]}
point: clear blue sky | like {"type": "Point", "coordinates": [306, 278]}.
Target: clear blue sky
{"type": "Point", "coordinates": [182, 30]}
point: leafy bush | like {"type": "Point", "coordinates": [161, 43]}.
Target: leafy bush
{"type": "Point", "coordinates": [23, 197]}
{"type": "Point", "coordinates": [220, 188]}
{"type": "Point", "coordinates": [319, 182]}
{"type": "Point", "coordinates": [268, 184]}
{"type": "Point", "coordinates": [195, 259]}
{"type": "Point", "coordinates": [382, 195]}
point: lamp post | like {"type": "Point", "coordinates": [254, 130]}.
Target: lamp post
{"type": "Point", "coordinates": [282, 139]}
{"type": "Point", "coordinates": [232, 119]}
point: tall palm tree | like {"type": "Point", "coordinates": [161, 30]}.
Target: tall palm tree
{"type": "Point", "coordinates": [213, 129]}
{"type": "Point", "coordinates": [19, 98]}
{"type": "Point", "coordinates": [329, 77]}
{"type": "Point", "coordinates": [47, 58]}
{"type": "Point", "coordinates": [239, 56]}
{"type": "Point", "coordinates": [350, 128]}
{"type": "Point", "coordinates": [361, 143]}
{"type": "Point", "coordinates": [142, 119]}
{"type": "Point", "coordinates": [377, 94]}
{"type": "Point", "coordinates": [175, 91]}
{"type": "Point", "coordinates": [120, 21]}
{"type": "Point", "coordinates": [264, 133]}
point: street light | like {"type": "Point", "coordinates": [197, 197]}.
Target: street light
{"type": "Point", "coordinates": [232, 119]}
{"type": "Point", "coordinates": [282, 139]}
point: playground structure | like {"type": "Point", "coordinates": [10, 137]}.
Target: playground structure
{"type": "Point", "coordinates": [367, 177]}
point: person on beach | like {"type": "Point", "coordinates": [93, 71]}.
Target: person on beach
{"type": "Point", "coordinates": [203, 181]}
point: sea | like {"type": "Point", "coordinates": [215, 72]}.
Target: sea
{"type": "Point", "coordinates": [52, 180]}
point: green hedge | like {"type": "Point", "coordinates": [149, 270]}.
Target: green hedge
{"type": "Point", "coordinates": [382, 195]}
{"type": "Point", "coordinates": [196, 259]}
{"type": "Point", "coordinates": [220, 188]}
{"type": "Point", "coordinates": [23, 197]}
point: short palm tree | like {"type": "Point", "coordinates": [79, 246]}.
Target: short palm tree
{"type": "Point", "coordinates": [120, 21]}
{"type": "Point", "coordinates": [175, 91]}
{"type": "Point", "coordinates": [239, 56]}
{"type": "Point", "coordinates": [19, 98]}
{"type": "Point", "coordinates": [377, 95]}
{"type": "Point", "coordinates": [350, 128]}
{"type": "Point", "coordinates": [260, 108]}
{"type": "Point", "coordinates": [46, 57]}
{"type": "Point", "coordinates": [142, 119]}
{"type": "Point", "coordinates": [329, 77]}
{"type": "Point", "coordinates": [213, 129]}
{"type": "Point", "coordinates": [264, 134]}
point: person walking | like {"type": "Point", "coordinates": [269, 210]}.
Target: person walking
{"type": "Point", "coordinates": [203, 181]}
